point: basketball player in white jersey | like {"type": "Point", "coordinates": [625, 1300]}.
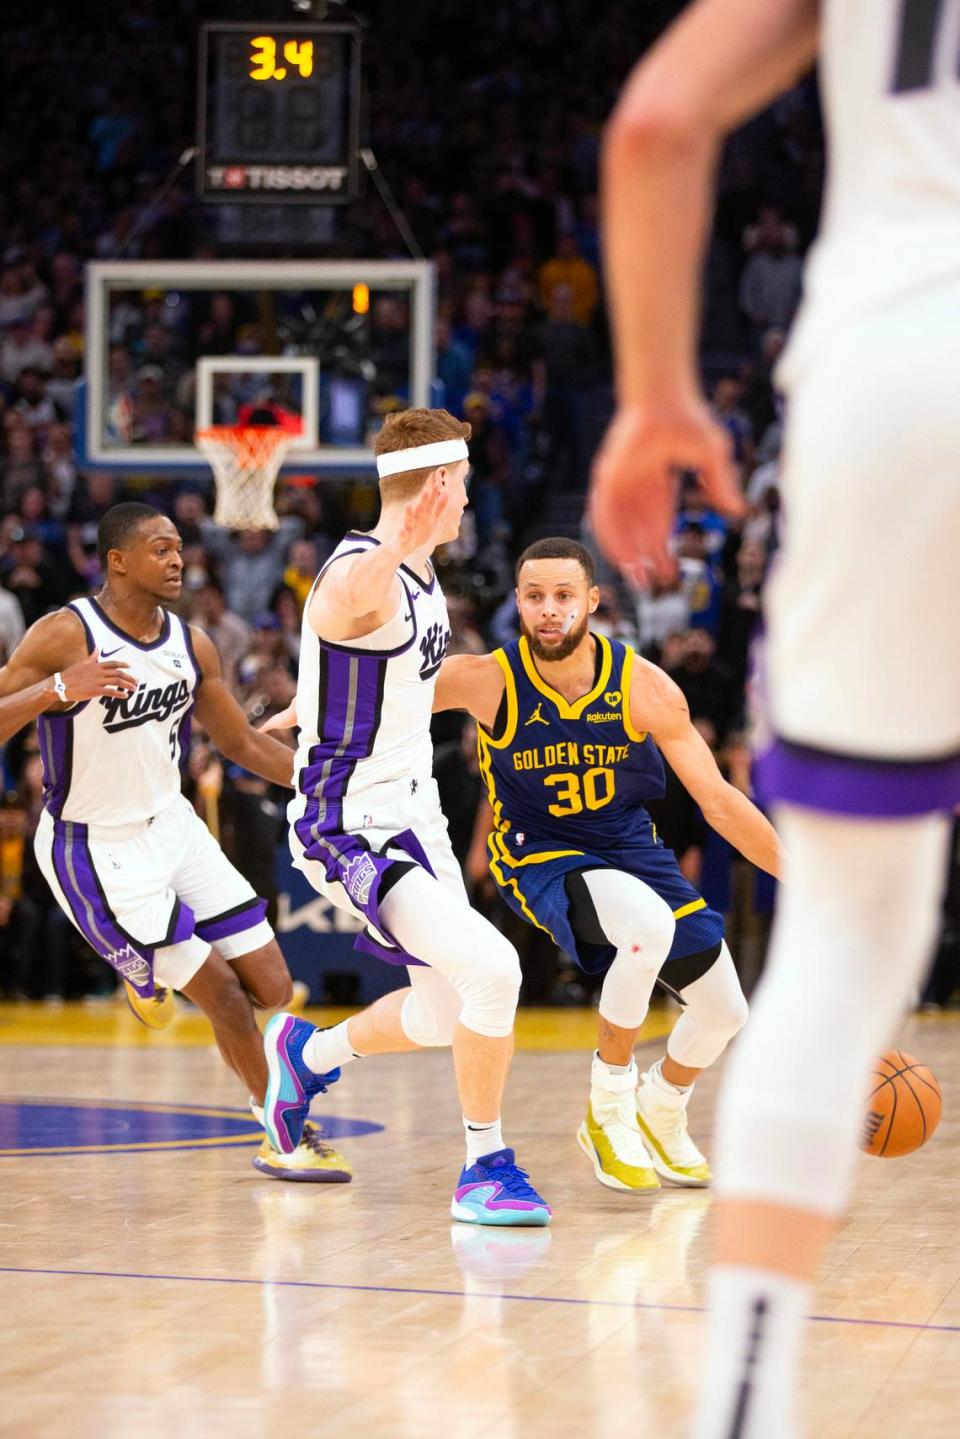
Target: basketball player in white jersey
{"type": "Point", "coordinates": [366, 826]}
{"type": "Point", "coordinates": [862, 653]}
{"type": "Point", "coordinates": [113, 684]}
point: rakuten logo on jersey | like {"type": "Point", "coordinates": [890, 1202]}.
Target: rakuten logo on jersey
{"type": "Point", "coordinates": [144, 705]}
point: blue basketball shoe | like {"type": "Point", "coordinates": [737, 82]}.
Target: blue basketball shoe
{"type": "Point", "coordinates": [291, 1084]}
{"type": "Point", "coordinates": [495, 1190]}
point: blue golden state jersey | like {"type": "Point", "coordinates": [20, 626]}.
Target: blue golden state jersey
{"type": "Point", "coordinates": [576, 773]}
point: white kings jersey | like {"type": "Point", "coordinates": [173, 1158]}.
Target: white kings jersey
{"type": "Point", "coordinates": [364, 705]}
{"type": "Point", "coordinates": [111, 761]}
{"type": "Point", "coordinates": [890, 75]}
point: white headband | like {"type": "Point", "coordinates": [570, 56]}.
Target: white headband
{"type": "Point", "coordinates": [421, 457]}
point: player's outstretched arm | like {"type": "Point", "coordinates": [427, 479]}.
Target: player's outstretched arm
{"type": "Point", "coordinates": [365, 587]}
{"type": "Point", "coordinates": [227, 725]}
{"type": "Point", "coordinates": [720, 62]}
{"type": "Point", "coordinates": [470, 682]}
{"type": "Point", "coordinates": [54, 647]}
{"type": "Point", "coordinates": [663, 712]}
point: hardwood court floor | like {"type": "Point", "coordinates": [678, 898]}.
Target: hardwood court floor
{"type": "Point", "coordinates": [171, 1291]}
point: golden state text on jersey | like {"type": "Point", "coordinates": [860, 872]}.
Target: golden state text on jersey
{"type": "Point", "coordinates": [572, 769]}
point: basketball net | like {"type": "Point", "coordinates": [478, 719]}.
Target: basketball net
{"type": "Point", "coordinates": [245, 460]}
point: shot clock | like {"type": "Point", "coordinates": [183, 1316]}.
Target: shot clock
{"type": "Point", "coordinates": [278, 112]}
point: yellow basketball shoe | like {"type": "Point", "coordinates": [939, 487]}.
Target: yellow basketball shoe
{"type": "Point", "coordinates": [610, 1135]}
{"type": "Point", "coordinates": [662, 1116]}
{"type": "Point", "coordinates": [157, 1012]}
{"type": "Point", "coordinates": [312, 1162]}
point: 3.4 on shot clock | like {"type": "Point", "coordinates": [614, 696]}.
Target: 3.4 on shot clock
{"type": "Point", "coordinates": [278, 112]}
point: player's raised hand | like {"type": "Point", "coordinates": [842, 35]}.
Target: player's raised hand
{"type": "Point", "coordinates": [92, 677]}
{"type": "Point", "coordinates": [419, 518]}
{"type": "Point", "coordinates": [633, 496]}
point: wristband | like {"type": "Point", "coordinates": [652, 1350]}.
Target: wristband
{"type": "Point", "coordinates": [60, 687]}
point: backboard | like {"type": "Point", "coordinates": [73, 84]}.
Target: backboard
{"type": "Point", "coordinates": [174, 346]}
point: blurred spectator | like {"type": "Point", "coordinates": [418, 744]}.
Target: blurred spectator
{"type": "Point", "coordinates": [301, 571]}
{"type": "Point", "coordinates": [608, 618]}
{"type": "Point", "coordinates": [286, 607]}
{"type": "Point", "coordinates": [701, 578]}
{"type": "Point", "coordinates": [152, 416]}
{"type": "Point", "coordinates": [32, 577]}
{"type": "Point", "coordinates": [39, 931]}
{"type": "Point", "coordinates": [569, 270]}
{"type": "Point", "coordinates": [740, 611]}
{"type": "Point", "coordinates": [772, 277]}
{"type": "Point", "coordinates": [562, 373]}
{"type": "Point", "coordinates": [189, 512]}
{"type": "Point", "coordinates": [251, 562]}
{"type": "Point", "coordinates": [454, 361]}
{"type": "Point", "coordinates": [230, 634]}
{"type": "Point", "coordinates": [727, 410]}
{"type": "Point", "coordinates": [23, 349]}
{"type": "Point", "coordinates": [707, 684]}
{"type": "Point", "coordinates": [11, 624]}
{"type": "Point", "coordinates": [489, 465]}
{"type": "Point", "coordinates": [94, 494]}
{"type": "Point", "coordinates": [21, 467]}
{"type": "Point", "coordinates": [34, 405]}
{"type": "Point", "coordinates": [59, 468]}
{"type": "Point", "coordinates": [266, 652]}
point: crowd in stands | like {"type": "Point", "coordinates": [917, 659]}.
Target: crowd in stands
{"type": "Point", "coordinates": [489, 136]}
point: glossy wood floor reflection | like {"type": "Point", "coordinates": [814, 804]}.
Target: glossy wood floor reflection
{"type": "Point", "coordinates": [154, 1285]}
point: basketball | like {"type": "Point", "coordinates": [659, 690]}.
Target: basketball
{"type": "Point", "coordinates": [904, 1106]}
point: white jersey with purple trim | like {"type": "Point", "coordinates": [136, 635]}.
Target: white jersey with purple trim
{"type": "Point", "coordinates": [890, 78]}
{"type": "Point", "coordinates": [364, 705]}
{"type": "Point", "coordinates": [114, 761]}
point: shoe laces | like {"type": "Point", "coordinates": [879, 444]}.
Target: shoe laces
{"type": "Point", "coordinates": [514, 1181]}
{"type": "Point", "coordinates": [619, 1122]}
{"type": "Point", "coordinates": [312, 1139]}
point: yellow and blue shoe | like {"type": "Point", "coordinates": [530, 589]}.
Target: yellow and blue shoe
{"type": "Point", "coordinates": [156, 1012]}
{"type": "Point", "coordinates": [496, 1190]}
{"type": "Point", "coordinates": [610, 1138]}
{"type": "Point", "coordinates": [662, 1117]}
{"type": "Point", "coordinates": [291, 1083]}
{"type": "Point", "coordinates": [312, 1162]}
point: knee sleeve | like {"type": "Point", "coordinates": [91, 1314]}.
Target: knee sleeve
{"type": "Point", "coordinates": [490, 987]}
{"type": "Point", "coordinates": [629, 915]}
{"type": "Point", "coordinates": [715, 1009]}
{"type": "Point", "coordinates": [853, 933]}
{"type": "Point", "coordinates": [438, 926]}
{"type": "Point", "coordinates": [429, 1014]}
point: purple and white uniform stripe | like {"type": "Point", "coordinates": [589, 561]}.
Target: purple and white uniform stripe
{"type": "Point", "coordinates": [83, 889]}
{"type": "Point", "coordinates": [851, 785]}
{"type": "Point", "coordinates": [364, 709]}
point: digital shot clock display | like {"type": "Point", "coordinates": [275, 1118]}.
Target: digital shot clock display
{"type": "Point", "coordinates": [278, 112]}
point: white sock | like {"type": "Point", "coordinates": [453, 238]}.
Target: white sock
{"type": "Point", "coordinates": [257, 1111]}
{"type": "Point", "coordinates": [676, 1094]}
{"type": "Point", "coordinates": [328, 1049]}
{"type": "Point", "coordinates": [612, 1078]}
{"type": "Point", "coordinates": [481, 1139]}
{"type": "Point", "coordinates": [756, 1321]}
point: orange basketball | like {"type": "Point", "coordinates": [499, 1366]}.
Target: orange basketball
{"type": "Point", "coordinates": [904, 1106]}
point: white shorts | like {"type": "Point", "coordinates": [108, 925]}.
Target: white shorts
{"type": "Point", "coordinates": [151, 898]}
{"type": "Point", "coordinates": [348, 866]}
{"type": "Point", "coordinates": [861, 658]}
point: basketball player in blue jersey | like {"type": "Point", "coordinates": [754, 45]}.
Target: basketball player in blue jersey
{"type": "Point", "coordinates": [571, 729]}
{"type": "Point", "coordinates": [864, 702]}
{"type": "Point", "coordinates": [113, 684]}
{"type": "Point", "coordinates": [366, 826]}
